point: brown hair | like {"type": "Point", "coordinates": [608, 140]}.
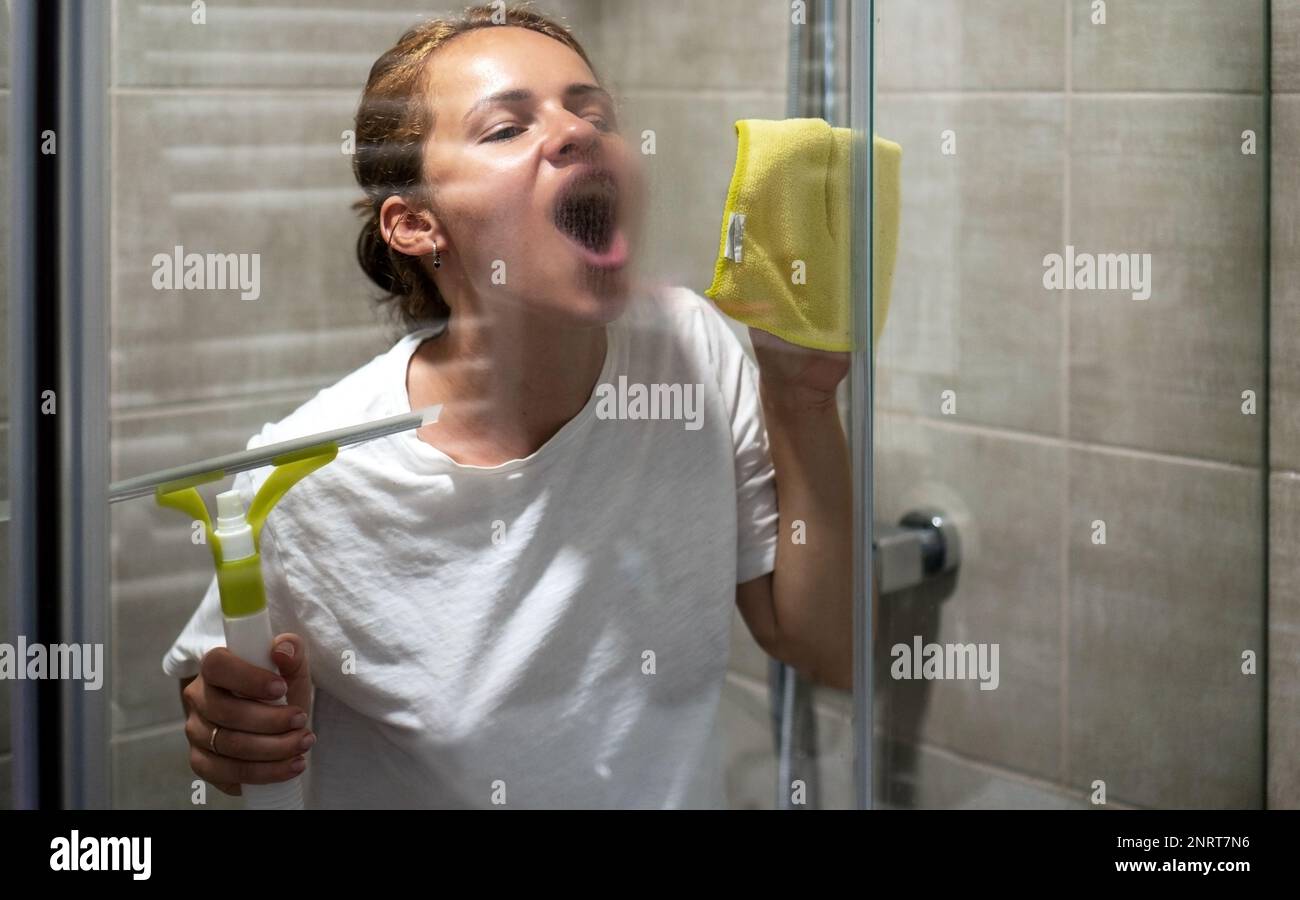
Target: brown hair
{"type": "Point", "coordinates": [392, 124]}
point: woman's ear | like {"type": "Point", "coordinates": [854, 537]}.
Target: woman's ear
{"type": "Point", "coordinates": [406, 229]}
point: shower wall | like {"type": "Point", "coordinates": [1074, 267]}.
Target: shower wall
{"type": "Point", "coordinates": [1032, 415]}
{"type": "Point", "coordinates": [1284, 431]}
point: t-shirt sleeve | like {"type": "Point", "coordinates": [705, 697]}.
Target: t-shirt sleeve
{"type": "Point", "coordinates": [203, 632]}
{"type": "Point", "coordinates": [756, 507]}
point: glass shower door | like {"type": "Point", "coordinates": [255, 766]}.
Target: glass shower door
{"type": "Point", "coordinates": [1060, 445]}
{"type": "Point", "coordinates": [1074, 372]}
{"type": "Point", "coordinates": [238, 131]}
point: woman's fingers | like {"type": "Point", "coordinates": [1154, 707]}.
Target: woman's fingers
{"type": "Point", "coordinates": [289, 655]}
{"type": "Point", "coordinates": [223, 669]}
{"type": "Point", "coordinates": [221, 707]}
{"type": "Point", "coordinates": [224, 770]}
{"type": "Point", "coordinates": [246, 746]}
{"type": "Point", "coordinates": [255, 742]}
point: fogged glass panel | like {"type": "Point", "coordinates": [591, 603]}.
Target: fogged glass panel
{"type": "Point", "coordinates": [1070, 372]}
{"type": "Point", "coordinates": [534, 600]}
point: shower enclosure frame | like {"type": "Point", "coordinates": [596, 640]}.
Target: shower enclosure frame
{"type": "Point", "coordinates": [812, 86]}
{"type": "Point", "coordinates": [862, 90]}
{"type": "Point", "coordinates": [58, 360]}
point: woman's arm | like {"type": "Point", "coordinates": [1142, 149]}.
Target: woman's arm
{"type": "Point", "coordinates": [802, 612]}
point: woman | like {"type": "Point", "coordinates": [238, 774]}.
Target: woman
{"type": "Point", "coordinates": [528, 603]}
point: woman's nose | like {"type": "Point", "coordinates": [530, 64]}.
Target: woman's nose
{"type": "Point", "coordinates": [574, 136]}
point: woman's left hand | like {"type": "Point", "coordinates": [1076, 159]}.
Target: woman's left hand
{"type": "Point", "coordinates": [798, 373]}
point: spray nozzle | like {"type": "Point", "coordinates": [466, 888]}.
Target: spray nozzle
{"type": "Point", "coordinates": [237, 540]}
{"type": "Point", "coordinates": [230, 509]}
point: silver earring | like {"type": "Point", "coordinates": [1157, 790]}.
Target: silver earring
{"type": "Point", "coordinates": [437, 257]}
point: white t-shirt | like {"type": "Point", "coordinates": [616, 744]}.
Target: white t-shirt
{"type": "Point", "coordinates": [555, 626]}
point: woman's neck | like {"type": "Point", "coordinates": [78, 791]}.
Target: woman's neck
{"type": "Point", "coordinates": [506, 383]}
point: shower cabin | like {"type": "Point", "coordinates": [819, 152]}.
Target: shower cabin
{"type": "Point", "coordinates": [1076, 501]}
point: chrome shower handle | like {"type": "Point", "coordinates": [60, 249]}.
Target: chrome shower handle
{"type": "Point", "coordinates": [924, 544]}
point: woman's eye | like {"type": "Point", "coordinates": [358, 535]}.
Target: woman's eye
{"type": "Point", "coordinates": [504, 133]}
{"type": "Point", "coordinates": [601, 122]}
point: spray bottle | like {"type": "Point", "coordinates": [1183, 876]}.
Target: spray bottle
{"type": "Point", "coordinates": [235, 553]}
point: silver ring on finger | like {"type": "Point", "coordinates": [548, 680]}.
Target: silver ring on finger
{"type": "Point", "coordinates": [212, 741]}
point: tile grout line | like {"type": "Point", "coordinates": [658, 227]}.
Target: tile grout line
{"type": "Point", "coordinates": [228, 403]}
{"type": "Point", "coordinates": [1029, 437]}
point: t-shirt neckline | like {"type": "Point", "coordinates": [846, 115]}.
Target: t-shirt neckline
{"type": "Point", "coordinates": [424, 457]}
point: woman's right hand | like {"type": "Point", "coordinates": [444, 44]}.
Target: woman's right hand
{"type": "Point", "coordinates": [256, 742]}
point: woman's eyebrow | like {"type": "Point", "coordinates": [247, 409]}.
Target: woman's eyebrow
{"type": "Point", "coordinates": [518, 95]}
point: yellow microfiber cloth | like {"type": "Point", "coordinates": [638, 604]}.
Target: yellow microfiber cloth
{"type": "Point", "coordinates": [792, 186]}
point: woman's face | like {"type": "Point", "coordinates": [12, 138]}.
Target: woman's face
{"type": "Point", "coordinates": [535, 191]}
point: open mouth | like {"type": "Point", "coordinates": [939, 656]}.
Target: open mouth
{"type": "Point", "coordinates": [587, 212]}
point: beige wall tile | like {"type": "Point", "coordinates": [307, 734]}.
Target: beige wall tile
{"type": "Point", "coordinates": [970, 45]}
{"type": "Point", "coordinates": [1159, 617]}
{"type": "Point", "coordinates": [1284, 321]}
{"type": "Point", "coordinates": [1284, 642]}
{"type": "Point", "coordinates": [1166, 176]}
{"type": "Point", "coordinates": [968, 310]}
{"type": "Point", "coordinates": [1188, 45]}
{"type": "Point", "coordinates": [732, 45]}
{"type": "Point", "coordinates": [1286, 45]}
